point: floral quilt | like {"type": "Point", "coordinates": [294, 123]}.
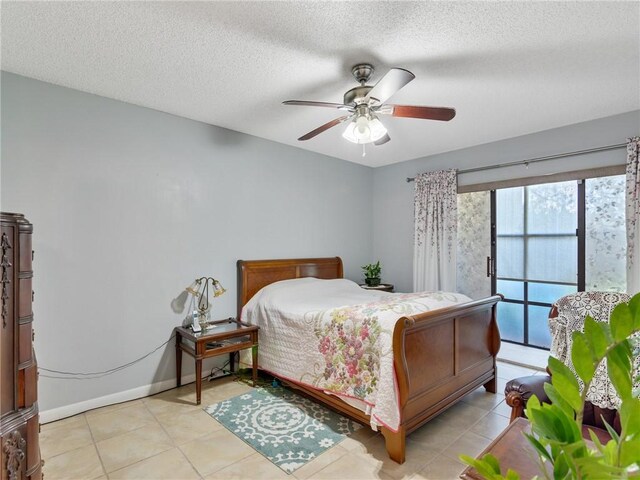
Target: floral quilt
{"type": "Point", "coordinates": [345, 349]}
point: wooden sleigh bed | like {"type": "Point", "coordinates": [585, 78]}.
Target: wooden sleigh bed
{"type": "Point", "coordinates": [439, 356]}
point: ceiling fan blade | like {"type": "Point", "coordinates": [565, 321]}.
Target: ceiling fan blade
{"type": "Point", "coordinates": [428, 113]}
{"type": "Point", "coordinates": [306, 103]}
{"type": "Point", "coordinates": [394, 80]}
{"type": "Point", "coordinates": [324, 127]}
{"type": "Point", "coordinates": [382, 140]}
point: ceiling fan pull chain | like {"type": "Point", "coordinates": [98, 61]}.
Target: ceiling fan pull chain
{"type": "Point", "coordinates": [364, 153]}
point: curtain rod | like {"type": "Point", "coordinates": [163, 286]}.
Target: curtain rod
{"type": "Point", "coordinates": [538, 159]}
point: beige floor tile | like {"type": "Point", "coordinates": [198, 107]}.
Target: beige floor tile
{"type": "Point", "coordinates": [509, 371]}
{"type": "Point", "coordinates": [352, 467]}
{"type": "Point", "coordinates": [65, 422]}
{"type": "Point", "coordinates": [81, 463]}
{"type": "Point", "coordinates": [491, 425]}
{"type": "Point", "coordinates": [416, 456]}
{"type": "Point", "coordinates": [470, 444]}
{"type": "Point", "coordinates": [216, 451]}
{"type": "Point", "coordinates": [480, 398]}
{"type": "Point", "coordinates": [184, 427]}
{"type": "Point", "coordinates": [441, 468]}
{"type": "Point", "coordinates": [503, 409]}
{"type": "Point", "coordinates": [462, 414]}
{"type": "Point", "coordinates": [169, 465]}
{"type": "Point", "coordinates": [324, 459]}
{"type": "Point", "coordinates": [171, 402]}
{"type": "Point", "coordinates": [223, 391]}
{"type": "Point", "coordinates": [525, 356]}
{"type": "Point", "coordinates": [55, 441]}
{"type": "Point", "coordinates": [438, 434]}
{"type": "Point", "coordinates": [355, 443]}
{"type": "Point", "coordinates": [502, 383]}
{"type": "Point", "coordinates": [255, 467]}
{"type": "Point", "coordinates": [112, 408]}
{"type": "Point", "coordinates": [131, 447]}
{"type": "Point", "coordinates": [116, 422]}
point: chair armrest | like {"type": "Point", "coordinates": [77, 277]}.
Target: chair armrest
{"type": "Point", "coordinates": [519, 390]}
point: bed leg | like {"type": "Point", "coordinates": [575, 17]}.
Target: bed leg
{"type": "Point", "coordinates": [491, 385]}
{"type": "Point", "coordinates": [395, 443]}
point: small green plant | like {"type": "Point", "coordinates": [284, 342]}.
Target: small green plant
{"type": "Point", "coordinates": [372, 273]}
{"type": "Point", "coordinates": [556, 433]}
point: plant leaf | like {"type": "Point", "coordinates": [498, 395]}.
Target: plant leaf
{"type": "Point", "coordinates": [561, 468]}
{"type": "Point", "coordinates": [621, 322]}
{"type": "Point", "coordinates": [630, 417]}
{"type": "Point", "coordinates": [634, 307]}
{"type": "Point", "coordinates": [512, 475]}
{"type": "Point", "coordinates": [557, 400]}
{"type": "Point", "coordinates": [543, 452]}
{"type": "Point", "coordinates": [597, 336]}
{"type": "Point", "coordinates": [565, 382]}
{"type": "Point", "coordinates": [482, 466]}
{"type": "Point", "coordinates": [619, 369]}
{"type": "Point", "coordinates": [630, 452]}
{"type": "Point", "coordinates": [612, 433]}
{"type": "Point", "coordinates": [582, 357]}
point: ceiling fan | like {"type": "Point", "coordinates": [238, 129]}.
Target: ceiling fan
{"type": "Point", "coordinates": [364, 103]}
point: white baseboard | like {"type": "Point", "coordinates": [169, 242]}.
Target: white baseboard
{"type": "Point", "coordinates": [133, 394]}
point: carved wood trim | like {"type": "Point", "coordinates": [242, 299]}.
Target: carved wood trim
{"type": "Point", "coordinates": [14, 450]}
{"type": "Point", "coordinates": [4, 279]}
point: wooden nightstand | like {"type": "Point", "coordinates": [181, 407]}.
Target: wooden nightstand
{"type": "Point", "coordinates": [223, 336]}
{"type": "Point", "coordinates": [383, 287]}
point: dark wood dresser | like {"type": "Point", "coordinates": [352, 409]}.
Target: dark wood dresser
{"type": "Point", "coordinates": [19, 373]}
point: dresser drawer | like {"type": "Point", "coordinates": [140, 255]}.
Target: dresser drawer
{"type": "Point", "coordinates": [26, 253]}
{"type": "Point", "coordinates": [25, 348]}
{"type": "Point", "coordinates": [26, 295]}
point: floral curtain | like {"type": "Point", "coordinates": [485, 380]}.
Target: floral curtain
{"type": "Point", "coordinates": [435, 231]}
{"type": "Point", "coordinates": [474, 244]}
{"type": "Point", "coordinates": [633, 215]}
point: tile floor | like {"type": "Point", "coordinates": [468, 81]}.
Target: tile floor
{"type": "Point", "coordinates": [167, 436]}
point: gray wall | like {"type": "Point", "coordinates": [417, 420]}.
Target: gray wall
{"type": "Point", "coordinates": [393, 196]}
{"type": "Point", "coordinates": [129, 205]}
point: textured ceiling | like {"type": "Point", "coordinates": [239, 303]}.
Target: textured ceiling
{"type": "Point", "coordinates": [508, 68]}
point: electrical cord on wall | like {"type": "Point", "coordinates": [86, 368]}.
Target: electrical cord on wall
{"type": "Point", "coordinates": [91, 375]}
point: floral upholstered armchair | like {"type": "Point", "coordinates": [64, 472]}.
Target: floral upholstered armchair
{"type": "Point", "coordinates": [568, 315]}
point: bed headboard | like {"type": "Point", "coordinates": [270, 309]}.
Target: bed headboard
{"type": "Point", "coordinates": [255, 274]}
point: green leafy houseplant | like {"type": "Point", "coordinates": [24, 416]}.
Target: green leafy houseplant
{"type": "Point", "coordinates": [556, 434]}
{"type": "Point", "coordinates": [372, 274]}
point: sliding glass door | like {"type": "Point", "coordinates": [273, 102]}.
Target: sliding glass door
{"type": "Point", "coordinates": [536, 243]}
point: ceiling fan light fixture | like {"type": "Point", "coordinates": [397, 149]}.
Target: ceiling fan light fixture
{"type": "Point", "coordinates": [364, 129]}
{"type": "Point", "coordinates": [377, 129]}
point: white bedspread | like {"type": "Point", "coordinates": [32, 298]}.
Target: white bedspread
{"type": "Point", "coordinates": [337, 337]}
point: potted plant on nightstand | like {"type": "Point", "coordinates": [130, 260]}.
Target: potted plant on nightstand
{"type": "Point", "coordinates": [372, 274]}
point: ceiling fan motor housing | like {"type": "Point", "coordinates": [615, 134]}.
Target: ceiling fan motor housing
{"type": "Point", "coordinates": [356, 95]}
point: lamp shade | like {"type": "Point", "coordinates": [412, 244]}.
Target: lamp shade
{"type": "Point", "coordinates": [364, 129]}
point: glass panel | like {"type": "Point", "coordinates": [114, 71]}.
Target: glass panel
{"type": "Point", "coordinates": [549, 293]}
{"type": "Point", "coordinates": [551, 208]}
{"type": "Point", "coordinates": [474, 244]}
{"type": "Point", "coordinates": [511, 321]}
{"type": "Point", "coordinates": [511, 290]}
{"type": "Point", "coordinates": [510, 211]}
{"type": "Point", "coordinates": [538, 327]}
{"type": "Point", "coordinates": [606, 247]}
{"type": "Point", "coordinates": [510, 261]}
{"type": "Point", "coordinates": [552, 258]}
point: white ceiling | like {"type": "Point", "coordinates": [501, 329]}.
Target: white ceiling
{"type": "Point", "coordinates": [509, 68]}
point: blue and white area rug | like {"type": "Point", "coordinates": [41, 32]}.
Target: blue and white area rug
{"type": "Point", "coordinates": [286, 428]}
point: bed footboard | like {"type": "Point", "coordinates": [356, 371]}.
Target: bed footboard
{"type": "Point", "coordinates": [439, 357]}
